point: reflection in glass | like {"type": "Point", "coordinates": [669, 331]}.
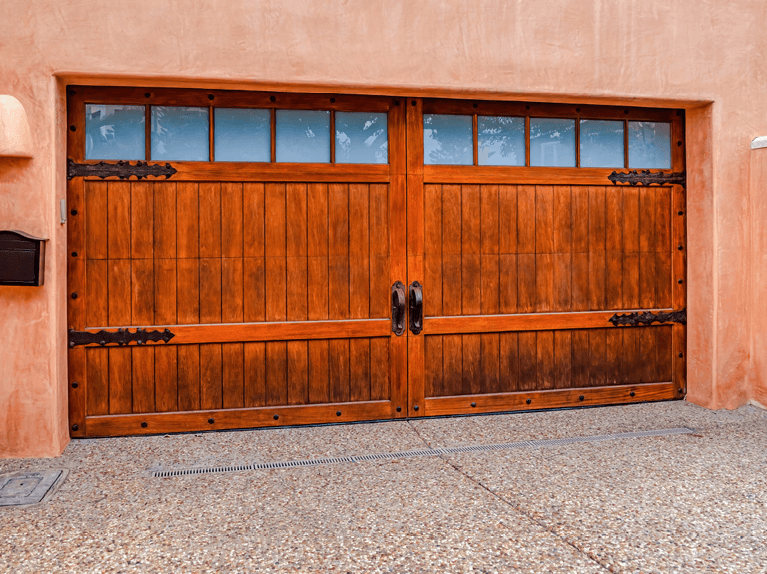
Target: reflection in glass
{"type": "Point", "coordinates": [602, 143]}
{"type": "Point", "coordinates": [180, 133]}
{"type": "Point", "coordinates": [501, 140]}
{"type": "Point", "coordinates": [361, 137]}
{"type": "Point", "coordinates": [242, 135]}
{"type": "Point", "coordinates": [552, 142]}
{"type": "Point", "coordinates": [114, 132]}
{"type": "Point", "coordinates": [303, 136]}
{"type": "Point", "coordinates": [650, 145]}
{"type": "Point", "coordinates": [447, 140]}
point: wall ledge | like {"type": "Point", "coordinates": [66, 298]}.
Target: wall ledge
{"type": "Point", "coordinates": [759, 142]}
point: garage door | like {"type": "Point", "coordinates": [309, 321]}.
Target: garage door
{"type": "Point", "coordinates": [241, 259]}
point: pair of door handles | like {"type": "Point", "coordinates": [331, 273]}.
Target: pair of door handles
{"type": "Point", "coordinates": [415, 298]}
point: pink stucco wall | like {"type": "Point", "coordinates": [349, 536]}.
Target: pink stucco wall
{"type": "Point", "coordinates": [704, 56]}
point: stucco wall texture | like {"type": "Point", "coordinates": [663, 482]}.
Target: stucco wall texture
{"type": "Point", "coordinates": [706, 57]}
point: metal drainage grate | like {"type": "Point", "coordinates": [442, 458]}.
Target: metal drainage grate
{"type": "Point", "coordinates": [430, 452]}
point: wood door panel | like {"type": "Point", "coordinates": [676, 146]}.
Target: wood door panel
{"type": "Point", "coordinates": [561, 248]}
{"type": "Point", "coordinates": [146, 379]}
{"type": "Point", "coordinates": [543, 360]}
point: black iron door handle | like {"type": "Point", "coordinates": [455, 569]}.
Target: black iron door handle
{"type": "Point", "coordinates": [398, 308]}
{"type": "Point", "coordinates": [416, 307]}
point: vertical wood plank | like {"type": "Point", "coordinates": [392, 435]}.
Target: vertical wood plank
{"type": "Point", "coordinates": [118, 287]}
{"type": "Point", "coordinates": [298, 372]}
{"type": "Point", "coordinates": [544, 219]}
{"type": "Point", "coordinates": [526, 294]}
{"type": "Point", "coordinates": [580, 358]}
{"type": "Point", "coordinates": [232, 376]}
{"type": "Point", "coordinates": [432, 354]}
{"type": "Point", "coordinates": [120, 388]}
{"type": "Point", "coordinates": [432, 257]}
{"type": "Point", "coordinates": [509, 362]}
{"type": "Point", "coordinates": [562, 276]}
{"type": "Point", "coordinates": [470, 382]}
{"type": "Point", "coordinates": [253, 219]}
{"type": "Point", "coordinates": [188, 302]}
{"type": "Point", "coordinates": [166, 378]}
{"type": "Point", "coordinates": [380, 266]}
{"type": "Point", "coordinates": [470, 251]}
{"type": "Point", "coordinates": [97, 309]}
{"type": "Point", "coordinates": [544, 282]}
{"type": "Point", "coordinates": [597, 347]}
{"type": "Point", "coordinates": [165, 291]}
{"type": "Point", "coordinates": [97, 377]}
{"type": "Point", "coordinates": [210, 219]}
{"type": "Point", "coordinates": [141, 216]}
{"type": "Point", "coordinates": [96, 243]}
{"type": "Point", "coordinates": [526, 219]}
{"type": "Point", "coordinates": [232, 238]}
{"type": "Point", "coordinates": [338, 360]}
{"type": "Point", "coordinates": [648, 355]}
{"type": "Point", "coordinates": [232, 290]}
{"type": "Point", "coordinates": [648, 280]}
{"type": "Point", "coordinates": [490, 363]}
{"type": "Point", "coordinates": [613, 356]}
{"type": "Point", "coordinates": [507, 271]}
{"type": "Point", "coordinates": [319, 372]}
{"type": "Point", "coordinates": [597, 280]}
{"type": "Point", "coordinates": [664, 349]}
{"type": "Point", "coordinates": [580, 219]}
{"type": "Point", "coordinates": [359, 252]}
{"type": "Point", "coordinates": [211, 377]}
{"type": "Point", "coordinates": [546, 367]}
{"type": "Point", "coordinates": [210, 290]}
{"type": "Point", "coordinates": [118, 220]}
{"type": "Point", "coordinates": [297, 251]}
{"type": "Point", "coordinates": [563, 356]}
{"type": "Point", "coordinates": [142, 374]}
{"type": "Point", "coordinates": [359, 369]}
{"type": "Point", "coordinates": [275, 263]}
{"type": "Point", "coordinates": [189, 377]}
{"type": "Point", "coordinates": [451, 250]}
{"type": "Point", "coordinates": [165, 210]}
{"type": "Point", "coordinates": [452, 364]}
{"type": "Point", "coordinates": [379, 368]}
{"type": "Point", "coordinates": [338, 250]}
{"type": "Point", "coordinates": [187, 220]}
{"type": "Point", "coordinates": [254, 365]}
{"type": "Point", "coordinates": [647, 231]}
{"type": "Point", "coordinates": [507, 218]}
{"type": "Point", "coordinates": [562, 219]}
{"type": "Point", "coordinates": [631, 363]}
{"type": "Point", "coordinates": [664, 286]}
{"type": "Point", "coordinates": [528, 360]}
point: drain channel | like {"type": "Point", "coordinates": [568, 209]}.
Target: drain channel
{"type": "Point", "coordinates": [429, 452]}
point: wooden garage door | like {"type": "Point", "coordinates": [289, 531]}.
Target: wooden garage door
{"type": "Point", "coordinates": [272, 279]}
{"type": "Point", "coordinates": [213, 288]}
{"type": "Point", "coordinates": [523, 266]}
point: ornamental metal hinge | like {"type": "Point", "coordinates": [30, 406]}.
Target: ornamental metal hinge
{"type": "Point", "coordinates": [121, 169]}
{"type": "Point", "coordinates": [648, 317]}
{"type": "Point", "coordinates": [120, 337]}
{"type": "Point", "coordinates": [646, 177]}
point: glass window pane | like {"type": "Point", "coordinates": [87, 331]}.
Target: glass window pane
{"type": "Point", "coordinates": [552, 142]}
{"type": "Point", "coordinates": [447, 140]}
{"type": "Point", "coordinates": [602, 143]}
{"type": "Point", "coordinates": [180, 133]}
{"type": "Point", "coordinates": [114, 132]}
{"type": "Point", "coordinates": [303, 136]}
{"type": "Point", "coordinates": [242, 135]}
{"type": "Point", "coordinates": [650, 145]}
{"type": "Point", "coordinates": [501, 140]}
{"type": "Point", "coordinates": [361, 137]}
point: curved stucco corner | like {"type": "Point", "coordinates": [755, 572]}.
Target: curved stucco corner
{"type": "Point", "coordinates": [15, 135]}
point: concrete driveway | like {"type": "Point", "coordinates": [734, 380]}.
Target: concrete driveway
{"type": "Point", "coordinates": [691, 502]}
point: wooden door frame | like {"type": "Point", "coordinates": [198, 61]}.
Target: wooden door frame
{"type": "Point", "coordinates": [420, 174]}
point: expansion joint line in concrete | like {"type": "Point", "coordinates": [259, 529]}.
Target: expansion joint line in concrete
{"type": "Point", "coordinates": [516, 507]}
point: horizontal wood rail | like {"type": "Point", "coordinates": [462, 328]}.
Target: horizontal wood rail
{"type": "Point", "coordinates": [522, 322]}
{"type": "Point", "coordinates": [552, 399]}
{"type": "Point", "coordinates": [154, 423]}
{"type": "Point", "coordinates": [519, 175]}
{"type": "Point", "coordinates": [252, 332]}
{"type": "Point", "coordinates": [262, 172]}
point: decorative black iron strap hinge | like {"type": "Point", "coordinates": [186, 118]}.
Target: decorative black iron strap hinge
{"type": "Point", "coordinates": [120, 337]}
{"type": "Point", "coordinates": [646, 177]}
{"type": "Point", "coordinates": [121, 169]}
{"type": "Point", "coordinates": [648, 317]}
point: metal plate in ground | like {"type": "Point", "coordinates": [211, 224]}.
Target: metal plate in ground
{"type": "Point", "coordinates": [28, 487]}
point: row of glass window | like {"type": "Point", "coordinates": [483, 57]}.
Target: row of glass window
{"type": "Point", "coordinates": [117, 132]}
{"type": "Point", "coordinates": [239, 134]}
{"type": "Point", "coordinates": [448, 140]}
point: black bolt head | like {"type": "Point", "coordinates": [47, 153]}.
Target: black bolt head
{"type": "Point", "coordinates": [73, 212]}
{"type": "Point", "coordinates": [211, 96]}
{"type": "Point", "coordinates": [415, 408]}
{"type": "Point", "coordinates": [72, 128]}
{"type": "Point", "coordinates": [680, 213]}
{"type": "Point", "coordinates": [211, 421]}
{"type": "Point", "coordinates": [74, 254]}
{"type": "Point", "coordinates": [399, 409]}
{"type": "Point", "coordinates": [474, 404]}
{"type": "Point", "coordinates": [272, 99]}
{"type": "Point", "coordinates": [632, 393]}
{"type": "Point", "coordinates": [74, 295]}
{"type": "Point", "coordinates": [338, 413]}
{"type": "Point", "coordinates": [276, 417]}
{"type": "Point", "coordinates": [679, 247]}
{"type": "Point", "coordinates": [681, 355]}
{"type": "Point", "coordinates": [528, 401]}
{"type": "Point", "coordinates": [75, 385]}
{"type": "Point", "coordinates": [75, 427]}
{"type": "Point", "coordinates": [679, 281]}
{"type": "Point", "coordinates": [144, 425]}
{"type": "Point", "coordinates": [581, 398]}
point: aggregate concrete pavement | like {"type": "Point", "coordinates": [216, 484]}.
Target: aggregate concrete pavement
{"type": "Point", "coordinates": [679, 503]}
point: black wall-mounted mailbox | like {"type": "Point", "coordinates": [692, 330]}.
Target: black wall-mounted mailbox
{"type": "Point", "coordinates": [22, 259]}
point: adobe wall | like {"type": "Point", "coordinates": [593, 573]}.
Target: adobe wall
{"type": "Point", "coordinates": [705, 57]}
